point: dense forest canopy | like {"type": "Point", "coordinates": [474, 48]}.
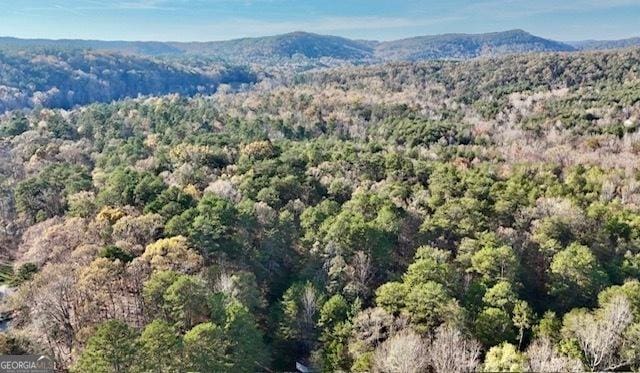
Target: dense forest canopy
{"type": "Point", "coordinates": [67, 78]}
{"type": "Point", "coordinates": [408, 217]}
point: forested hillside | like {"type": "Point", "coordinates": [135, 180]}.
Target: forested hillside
{"type": "Point", "coordinates": [284, 46]}
{"type": "Point", "coordinates": [606, 44]}
{"type": "Point", "coordinates": [66, 78]}
{"type": "Point", "coordinates": [275, 49]}
{"type": "Point", "coordinates": [314, 49]}
{"type": "Point", "coordinates": [410, 217]}
{"type": "Point", "coordinates": [466, 46]}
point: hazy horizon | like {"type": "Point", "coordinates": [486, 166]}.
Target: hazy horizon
{"type": "Point", "coordinates": [308, 32]}
{"type": "Point", "coordinates": [215, 20]}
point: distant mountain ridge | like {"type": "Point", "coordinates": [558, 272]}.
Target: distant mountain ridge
{"type": "Point", "coordinates": [465, 46]}
{"type": "Point", "coordinates": [314, 46]}
{"type": "Point", "coordinates": [146, 48]}
{"type": "Point", "coordinates": [285, 46]}
{"type": "Point", "coordinates": [605, 44]}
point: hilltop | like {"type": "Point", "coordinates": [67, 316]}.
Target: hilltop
{"type": "Point", "coordinates": [313, 46]}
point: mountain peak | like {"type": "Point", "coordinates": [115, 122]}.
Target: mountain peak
{"type": "Point", "coordinates": [300, 33]}
{"type": "Point", "coordinates": [464, 46]}
{"type": "Point", "coordinates": [516, 31]}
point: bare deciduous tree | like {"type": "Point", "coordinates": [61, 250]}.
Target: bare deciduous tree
{"type": "Point", "coordinates": [405, 352]}
{"type": "Point", "coordinates": [543, 358]}
{"type": "Point", "coordinates": [601, 335]}
{"type": "Point", "coordinates": [371, 327]}
{"type": "Point", "coordinates": [138, 230]}
{"type": "Point", "coordinates": [53, 240]}
{"type": "Point", "coordinates": [360, 273]}
{"type": "Point", "coordinates": [52, 314]}
{"type": "Point", "coordinates": [450, 351]}
{"type": "Point", "coordinates": [309, 300]}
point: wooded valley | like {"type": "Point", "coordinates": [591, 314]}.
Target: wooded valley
{"type": "Point", "coordinates": [444, 216]}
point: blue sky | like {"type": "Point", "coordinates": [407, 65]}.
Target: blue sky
{"type": "Point", "coordinates": [203, 20]}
